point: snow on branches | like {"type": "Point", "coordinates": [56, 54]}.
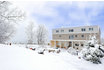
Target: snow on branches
{"type": "Point", "coordinates": [92, 51]}
{"type": "Point", "coordinates": [8, 16]}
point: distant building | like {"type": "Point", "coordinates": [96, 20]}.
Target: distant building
{"type": "Point", "coordinates": [73, 36]}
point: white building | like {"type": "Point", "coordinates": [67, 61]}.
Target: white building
{"type": "Point", "coordinates": [73, 36]}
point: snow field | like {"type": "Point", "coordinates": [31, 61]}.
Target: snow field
{"type": "Point", "coordinates": [20, 58]}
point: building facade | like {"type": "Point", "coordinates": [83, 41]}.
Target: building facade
{"type": "Point", "coordinates": [74, 36]}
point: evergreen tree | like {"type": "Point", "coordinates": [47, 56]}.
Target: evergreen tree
{"type": "Point", "coordinates": [93, 51]}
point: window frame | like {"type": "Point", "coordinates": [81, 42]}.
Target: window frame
{"type": "Point", "coordinates": [60, 36]}
{"type": "Point", "coordinates": [83, 29]}
{"type": "Point", "coordinates": [62, 30]}
{"type": "Point", "coordinates": [57, 31]}
{"type": "Point", "coordinates": [71, 36]}
{"type": "Point", "coordinates": [71, 30]}
{"type": "Point", "coordinates": [91, 29]}
{"type": "Point", "coordinates": [82, 35]}
{"type": "Point", "coordinates": [76, 35]}
{"type": "Point", "coordinates": [76, 44]}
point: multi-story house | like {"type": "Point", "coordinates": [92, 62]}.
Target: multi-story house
{"type": "Point", "coordinates": [73, 36]}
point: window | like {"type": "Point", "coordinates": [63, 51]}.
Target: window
{"type": "Point", "coordinates": [82, 35]}
{"type": "Point", "coordinates": [71, 30]}
{"type": "Point", "coordinates": [81, 44]}
{"type": "Point", "coordinates": [57, 31]}
{"type": "Point", "coordinates": [77, 48]}
{"type": "Point", "coordinates": [90, 29]}
{"type": "Point", "coordinates": [75, 35]}
{"type": "Point", "coordinates": [71, 37]}
{"type": "Point", "coordinates": [76, 44]}
{"type": "Point", "coordinates": [83, 29]}
{"type": "Point", "coordinates": [59, 35]}
{"type": "Point", "coordinates": [62, 30]}
{"type": "Point", "coordinates": [70, 42]}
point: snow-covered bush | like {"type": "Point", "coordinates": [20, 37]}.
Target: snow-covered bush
{"type": "Point", "coordinates": [92, 51]}
{"type": "Point", "coordinates": [72, 51]}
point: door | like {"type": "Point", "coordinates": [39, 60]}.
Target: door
{"type": "Point", "coordinates": [70, 44]}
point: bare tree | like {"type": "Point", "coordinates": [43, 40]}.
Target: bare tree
{"type": "Point", "coordinates": [30, 32]}
{"type": "Point", "coordinates": [8, 16]}
{"type": "Point", "coordinates": [41, 34]}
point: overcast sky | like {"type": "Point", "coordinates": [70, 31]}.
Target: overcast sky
{"type": "Point", "coordinates": [56, 14]}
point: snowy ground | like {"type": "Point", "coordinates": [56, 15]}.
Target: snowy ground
{"type": "Point", "coordinates": [20, 58]}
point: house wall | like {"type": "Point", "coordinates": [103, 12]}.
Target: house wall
{"type": "Point", "coordinates": [96, 29]}
{"type": "Point", "coordinates": [65, 44]}
{"type": "Point", "coordinates": [79, 36]}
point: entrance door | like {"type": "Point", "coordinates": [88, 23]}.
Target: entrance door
{"type": "Point", "coordinates": [70, 44]}
{"type": "Point", "coordinates": [57, 44]}
{"type": "Point", "coordinates": [62, 45]}
{"type": "Point", "coordinates": [52, 43]}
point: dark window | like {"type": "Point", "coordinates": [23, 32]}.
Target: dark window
{"type": "Point", "coordinates": [70, 42]}
{"type": "Point", "coordinates": [75, 35]}
{"type": "Point", "coordinates": [62, 30]}
{"type": "Point", "coordinates": [90, 29]}
{"type": "Point", "coordinates": [76, 44]}
{"type": "Point", "coordinates": [71, 37]}
{"type": "Point", "coordinates": [81, 44]}
{"type": "Point", "coordinates": [82, 35]}
{"type": "Point", "coordinates": [57, 31]}
{"type": "Point", "coordinates": [71, 30]}
{"type": "Point", "coordinates": [83, 29]}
